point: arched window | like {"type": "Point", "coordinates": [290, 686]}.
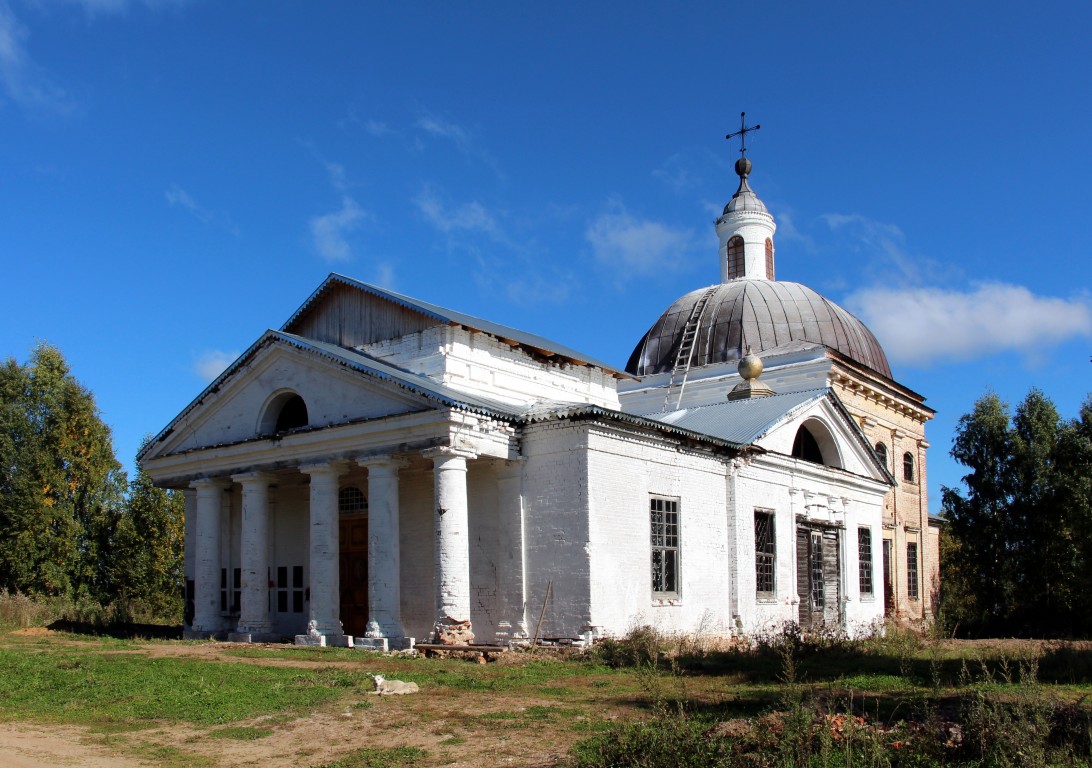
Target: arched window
{"type": "Point", "coordinates": [737, 267]}
{"type": "Point", "coordinates": [293, 414]}
{"type": "Point", "coordinates": [769, 259]}
{"type": "Point", "coordinates": [806, 447]}
{"type": "Point", "coordinates": [881, 454]}
{"type": "Point", "coordinates": [351, 501]}
{"type": "Point", "coordinates": [908, 467]}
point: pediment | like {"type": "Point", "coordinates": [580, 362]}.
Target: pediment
{"type": "Point", "coordinates": [243, 403]}
{"type": "Point", "coordinates": [840, 440]}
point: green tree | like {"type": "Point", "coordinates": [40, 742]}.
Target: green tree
{"type": "Point", "coordinates": [60, 485]}
{"type": "Point", "coordinates": [147, 549]}
{"type": "Point", "coordinates": [1020, 549]}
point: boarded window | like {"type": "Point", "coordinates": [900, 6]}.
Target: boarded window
{"type": "Point", "coordinates": [864, 560]}
{"type": "Point", "coordinates": [765, 553]}
{"type": "Point", "coordinates": [664, 519]}
{"type": "Point", "coordinates": [769, 259]}
{"type": "Point", "coordinates": [912, 570]}
{"type": "Point", "coordinates": [908, 467]}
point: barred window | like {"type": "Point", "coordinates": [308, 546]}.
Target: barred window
{"type": "Point", "coordinates": [908, 467]}
{"type": "Point", "coordinates": [351, 500]}
{"type": "Point", "coordinates": [664, 519]}
{"type": "Point", "coordinates": [765, 553]}
{"type": "Point", "coordinates": [864, 560]}
{"type": "Point", "coordinates": [737, 266]}
{"type": "Point", "coordinates": [912, 570]}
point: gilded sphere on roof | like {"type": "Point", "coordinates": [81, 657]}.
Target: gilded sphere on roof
{"type": "Point", "coordinates": [750, 366]}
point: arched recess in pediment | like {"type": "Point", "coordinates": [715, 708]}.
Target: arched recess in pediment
{"type": "Point", "coordinates": [283, 411]}
{"type": "Point", "coordinates": [815, 443]}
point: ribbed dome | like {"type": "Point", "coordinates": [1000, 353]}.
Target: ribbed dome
{"type": "Point", "coordinates": [760, 314]}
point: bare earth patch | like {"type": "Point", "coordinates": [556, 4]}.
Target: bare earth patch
{"type": "Point", "coordinates": [460, 728]}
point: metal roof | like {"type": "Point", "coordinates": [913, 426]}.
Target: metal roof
{"type": "Point", "coordinates": [759, 315]}
{"type": "Point", "coordinates": [540, 344]}
{"type": "Point", "coordinates": [741, 421]}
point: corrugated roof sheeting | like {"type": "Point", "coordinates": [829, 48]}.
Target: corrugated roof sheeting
{"type": "Point", "coordinates": [741, 421]}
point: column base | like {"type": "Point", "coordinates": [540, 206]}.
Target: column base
{"type": "Point", "coordinates": [243, 636]}
{"type": "Point", "coordinates": [449, 631]}
{"type": "Point", "coordinates": [385, 644]}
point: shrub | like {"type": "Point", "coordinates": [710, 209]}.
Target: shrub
{"type": "Point", "coordinates": [640, 647]}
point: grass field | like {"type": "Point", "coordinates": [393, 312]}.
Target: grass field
{"type": "Point", "coordinates": [890, 701]}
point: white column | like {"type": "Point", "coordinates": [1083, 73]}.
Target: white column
{"type": "Point", "coordinates": [452, 547]}
{"type": "Point", "coordinates": [254, 600]}
{"type": "Point", "coordinates": [325, 576]}
{"type": "Point", "coordinates": [384, 561]}
{"type": "Point", "coordinates": [210, 500]}
{"type": "Point", "coordinates": [510, 558]}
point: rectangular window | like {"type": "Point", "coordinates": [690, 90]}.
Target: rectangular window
{"type": "Point", "coordinates": [664, 519]}
{"type": "Point", "coordinates": [297, 589]}
{"type": "Point", "coordinates": [912, 570]}
{"type": "Point", "coordinates": [864, 560]}
{"type": "Point", "coordinates": [765, 553]}
{"type": "Point", "coordinates": [231, 594]}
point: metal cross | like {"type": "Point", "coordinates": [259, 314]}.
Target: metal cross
{"type": "Point", "coordinates": [742, 133]}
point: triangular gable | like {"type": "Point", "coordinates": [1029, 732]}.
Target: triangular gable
{"type": "Point", "coordinates": [351, 313]}
{"type": "Point", "coordinates": [338, 386]}
{"type": "Point", "coordinates": [771, 423]}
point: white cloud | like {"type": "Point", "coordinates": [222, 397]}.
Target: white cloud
{"type": "Point", "coordinates": [635, 245]}
{"type": "Point", "coordinates": [180, 198]}
{"type": "Point", "coordinates": [446, 130]}
{"type": "Point", "coordinates": [920, 326]}
{"type": "Point", "coordinates": [377, 128]}
{"type": "Point", "coordinates": [467, 217]}
{"type": "Point", "coordinates": [20, 78]}
{"type": "Point", "coordinates": [328, 232]}
{"type": "Point", "coordinates": [213, 362]}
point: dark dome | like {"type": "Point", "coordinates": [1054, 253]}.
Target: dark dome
{"type": "Point", "coordinates": [760, 314]}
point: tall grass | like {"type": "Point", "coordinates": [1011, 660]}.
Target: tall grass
{"type": "Point", "coordinates": [20, 611]}
{"type": "Point", "coordinates": [991, 714]}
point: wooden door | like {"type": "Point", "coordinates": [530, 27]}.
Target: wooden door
{"type": "Point", "coordinates": [353, 561]}
{"type": "Point", "coordinates": [818, 578]}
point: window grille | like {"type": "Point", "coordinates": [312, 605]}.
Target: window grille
{"type": "Point", "coordinates": [737, 265]}
{"type": "Point", "coordinates": [864, 560]}
{"type": "Point", "coordinates": [765, 553]}
{"type": "Point", "coordinates": [664, 519]}
{"type": "Point", "coordinates": [818, 583]}
{"type": "Point", "coordinates": [912, 570]}
{"type": "Point", "coordinates": [351, 500]}
{"type": "Point", "coordinates": [290, 592]}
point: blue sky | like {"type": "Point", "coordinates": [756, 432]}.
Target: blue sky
{"type": "Point", "coordinates": [177, 176]}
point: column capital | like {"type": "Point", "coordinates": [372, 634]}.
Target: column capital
{"type": "Point", "coordinates": [210, 483]}
{"type": "Point", "coordinates": [254, 478]}
{"type": "Point", "coordinates": [442, 452]}
{"type": "Point", "coordinates": [329, 468]}
{"type": "Point", "coordinates": [383, 461]}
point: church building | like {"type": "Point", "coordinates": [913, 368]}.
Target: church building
{"type": "Point", "coordinates": [381, 471]}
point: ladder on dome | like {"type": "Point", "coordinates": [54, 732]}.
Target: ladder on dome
{"type": "Point", "coordinates": [685, 355]}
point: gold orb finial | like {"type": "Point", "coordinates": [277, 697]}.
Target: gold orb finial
{"type": "Point", "coordinates": [750, 366]}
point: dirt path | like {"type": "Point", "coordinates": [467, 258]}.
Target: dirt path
{"type": "Point", "coordinates": [463, 729]}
